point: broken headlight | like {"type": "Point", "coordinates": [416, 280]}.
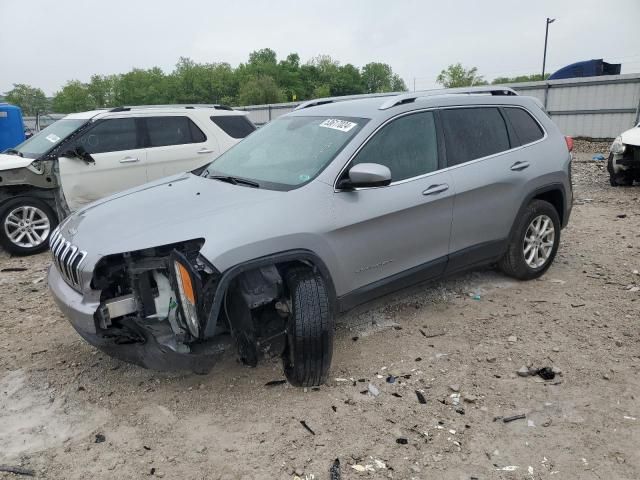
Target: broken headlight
{"type": "Point", "coordinates": [187, 283]}
{"type": "Point", "coordinates": [617, 147]}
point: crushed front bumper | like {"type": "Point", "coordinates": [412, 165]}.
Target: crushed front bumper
{"type": "Point", "coordinates": [147, 353]}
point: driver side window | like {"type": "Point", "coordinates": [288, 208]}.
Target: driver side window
{"type": "Point", "coordinates": [112, 135]}
{"type": "Point", "coordinates": [407, 146]}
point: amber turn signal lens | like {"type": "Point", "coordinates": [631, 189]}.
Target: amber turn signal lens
{"type": "Point", "coordinates": [187, 285]}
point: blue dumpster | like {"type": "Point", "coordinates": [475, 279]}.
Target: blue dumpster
{"type": "Point", "coordinates": [11, 126]}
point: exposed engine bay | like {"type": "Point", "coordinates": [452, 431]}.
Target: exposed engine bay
{"type": "Point", "coordinates": [167, 294]}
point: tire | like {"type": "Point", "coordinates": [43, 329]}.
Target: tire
{"type": "Point", "coordinates": [527, 266]}
{"type": "Point", "coordinates": [25, 225]}
{"type": "Point", "coordinates": [618, 179]}
{"type": "Point", "coordinates": [310, 330]}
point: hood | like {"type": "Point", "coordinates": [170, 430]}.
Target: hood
{"type": "Point", "coordinates": [632, 136]}
{"type": "Point", "coordinates": [171, 210]}
{"type": "Point", "coordinates": [9, 162]}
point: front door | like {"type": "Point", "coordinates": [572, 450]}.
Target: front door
{"type": "Point", "coordinates": [120, 163]}
{"type": "Point", "coordinates": [391, 236]}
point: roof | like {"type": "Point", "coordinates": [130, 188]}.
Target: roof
{"type": "Point", "coordinates": [389, 104]}
{"type": "Point", "coordinates": [154, 109]}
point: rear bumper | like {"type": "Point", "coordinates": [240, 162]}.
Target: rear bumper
{"type": "Point", "coordinates": [147, 352]}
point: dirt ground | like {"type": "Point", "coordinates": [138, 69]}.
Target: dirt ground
{"type": "Point", "coordinates": [461, 340]}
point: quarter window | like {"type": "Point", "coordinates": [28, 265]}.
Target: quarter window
{"type": "Point", "coordinates": [407, 146]}
{"type": "Point", "coordinates": [472, 133]}
{"type": "Point", "coordinates": [164, 131]}
{"type": "Point", "coordinates": [236, 126]}
{"type": "Point", "coordinates": [527, 130]}
{"type": "Point", "coordinates": [112, 135]}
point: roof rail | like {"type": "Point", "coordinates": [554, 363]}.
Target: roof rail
{"type": "Point", "coordinates": [412, 96]}
{"type": "Point", "coordinates": [185, 106]}
{"type": "Point", "coordinates": [323, 101]}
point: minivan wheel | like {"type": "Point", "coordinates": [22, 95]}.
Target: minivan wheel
{"type": "Point", "coordinates": [534, 242]}
{"type": "Point", "coordinates": [621, 179]}
{"type": "Point", "coordinates": [25, 225]}
{"type": "Point", "coordinates": [310, 329]}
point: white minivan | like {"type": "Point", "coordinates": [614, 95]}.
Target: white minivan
{"type": "Point", "coordinates": [86, 156]}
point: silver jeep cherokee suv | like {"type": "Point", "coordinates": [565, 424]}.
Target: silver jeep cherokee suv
{"type": "Point", "coordinates": [322, 209]}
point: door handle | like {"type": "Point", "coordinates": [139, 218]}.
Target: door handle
{"type": "Point", "coordinates": [433, 189]}
{"type": "Point", "coordinates": [129, 160]}
{"type": "Point", "coordinates": [516, 167]}
{"type": "Point", "coordinates": [205, 150]}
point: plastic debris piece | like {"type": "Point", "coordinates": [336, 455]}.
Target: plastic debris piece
{"type": "Point", "coordinates": [402, 440]}
{"type": "Point", "coordinates": [421, 398]}
{"type": "Point", "coordinates": [373, 390]}
{"type": "Point", "coordinates": [509, 468]}
{"type": "Point", "coordinates": [396, 394]}
{"type": "Point", "coordinates": [598, 157]}
{"type": "Point", "coordinates": [358, 468]}
{"type": "Point", "coordinates": [304, 424]}
{"type": "Point", "coordinates": [547, 373]}
{"type": "Point", "coordinates": [334, 471]}
{"type": "Point", "coordinates": [391, 379]}
{"type": "Point", "coordinates": [100, 438]}
{"type": "Point", "coordinates": [514, 417]}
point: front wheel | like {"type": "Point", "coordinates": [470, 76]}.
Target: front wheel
{"type": "Point", "coordinates": [534, 242]}
{"type": "Point", "coordinates": [25, 225]}
{"type": "Point", "coordinates": [620, 179]}
{"type": "Point", "coordinates": [310, 330]}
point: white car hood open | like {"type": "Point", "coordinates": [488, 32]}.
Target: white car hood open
{"type": "Point", "coordinates": [631, 137]}
{"type": "Point", "coordinates": [9, 162]}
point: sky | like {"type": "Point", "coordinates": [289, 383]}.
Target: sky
{"type": "Point", "coordinates": [45, 43]}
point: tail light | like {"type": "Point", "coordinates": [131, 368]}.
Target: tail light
{"type": "Point", "coordinates": [569, 141]}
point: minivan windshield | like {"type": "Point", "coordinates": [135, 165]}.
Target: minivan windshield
{"type": "Point", "coordinates": [287, 152]}
{"type": "Point", "coordinates": [48, 138]}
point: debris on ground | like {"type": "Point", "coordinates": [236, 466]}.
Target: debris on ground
{"type": "Point", "coordinates": [274, 383]}
{"type": "Point", "coordinates": [334, 471]}
{"type": "Point", "coordinates": [402, 440]}
{"type": "Point", "coordinates": [421, 398]}
{"type": "Point", "coordinates": [514, 417]}
{"type": "Point", "coordinates": [304, 424]}
{"type": "Point", "coordinates": [100, 438]}
{"type": "Point", "coordinates": [373, 390]}
{"type": "Point", "coordinates": [17, 470]}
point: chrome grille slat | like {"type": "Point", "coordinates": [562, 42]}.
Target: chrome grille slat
{"type": "Point", "coordinates": [67, 258]}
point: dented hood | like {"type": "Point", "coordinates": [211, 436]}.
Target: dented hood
{"type": "Point", "coordinates": [9, 162]}
{"type": "Point", "coordinates": [174, 209]}
{"type": "Point", "coordinates": [631, 137]}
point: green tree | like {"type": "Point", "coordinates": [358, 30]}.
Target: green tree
{"type": "Point", "coordinates": [142, 87]}
{"type": "Point", "coordinates": [260, 90]}
{"type": "Point", "coordinates": [458, 76]}
{"type": "Point", "coordinates": [74, 97]}
{"type": "Point", "coordinates": [103, 89]}
{"type": "Point", "coordinates": [379, 78]}
{"type": "Point", "coordinates": [535, 77]}
{"type": "Point", "coordinates": [193, 82]}
{"type": "Point", "coordinates": [31, 100]}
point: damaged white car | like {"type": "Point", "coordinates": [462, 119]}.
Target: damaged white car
{"type": "Point", "coordinates": [624, 158]}
{"type": "Point", "coordinates": [86, 156]}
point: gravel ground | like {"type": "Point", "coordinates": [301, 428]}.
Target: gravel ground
{"type": "Point", "coordinates": [70, 412]}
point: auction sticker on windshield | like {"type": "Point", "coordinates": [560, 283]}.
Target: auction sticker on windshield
{"type": "Point", "coordinates": [52, 137]}
{"type": "Point", "coordinates": [336, 124]}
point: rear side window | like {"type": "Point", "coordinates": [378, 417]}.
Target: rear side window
{"type": "Point", "coordinates": [236, 126]}
{"type": "Point", "coordinates": [527, 130]}
{"type": "Point", "coordinates": [112, 135]}
{"type": "Point", "coordinates": [407, 146]}
{"type": "Point", "coordinates": [472, 133]}
{"type": "Point", "coordinates": [164, 131]}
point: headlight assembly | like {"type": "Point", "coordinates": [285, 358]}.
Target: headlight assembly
{"type": "Point", "coordinates": [617, 147]}
{"type": "Point", "coordinates": [187, 286]}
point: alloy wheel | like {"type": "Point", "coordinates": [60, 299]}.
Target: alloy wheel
{"type": "Point", "coordinates": [27, 226]}
{"type": "Point", "coordinates": [538, 241]}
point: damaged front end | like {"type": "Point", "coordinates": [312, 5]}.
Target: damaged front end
{"type": "Point", "coordinates": [624, 158]}
{"type": "Point", "coordinates": [163, 308]}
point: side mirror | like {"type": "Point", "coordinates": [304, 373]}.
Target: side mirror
{"type": "Point", "coordinates": [366, 175]}
{"type": "Point", "coordinates": [83, 154]}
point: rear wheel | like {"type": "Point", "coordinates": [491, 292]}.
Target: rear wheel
{"type": "Point", "coordinates": [25, 225]}
{"type": "Point", "coordinates": [310, 330]}
{"type": "Point", "coordinates": [534, 242]}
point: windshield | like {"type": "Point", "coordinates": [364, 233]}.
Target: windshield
{"type": "Point", "coordinates": [287, 152]}
{"type": "Point", "coordinates": [48, 138]}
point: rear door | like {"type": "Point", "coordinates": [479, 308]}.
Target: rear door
{"type": "Point", "coordinates": [490, 170]}
{"type": "Point", "coordinates": [176, 144]}
{"type": "Point", "coordinates": [398, 234]}
{"type": "Point", "coordinates": [116, 146]}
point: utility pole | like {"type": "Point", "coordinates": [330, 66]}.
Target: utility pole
{"type": "Point", "coordinates": [414, 84]}
{"type": "Point", "coordinates": [546, 36]}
